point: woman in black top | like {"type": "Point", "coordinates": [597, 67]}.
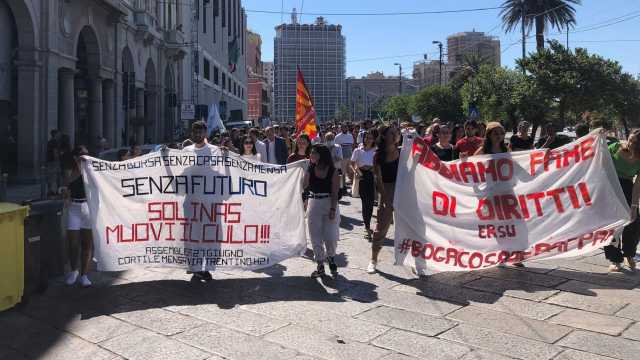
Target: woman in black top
{"type": "Point", "coordinates": [521, 140]}
{"type": "Point", "coordinates": [323, 183]}
{"type": "Point", "coordinates": [443, 147]}
{"type": "Point", "coordinates": [79, 223]}
{"type": "Point", "coordinates": [385, 169]}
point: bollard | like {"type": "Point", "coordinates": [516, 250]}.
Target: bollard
{"type": "Point", "coordinates": [3, 187]}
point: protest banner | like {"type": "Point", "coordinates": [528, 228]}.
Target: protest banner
{"type": "Point", "coordinates": [198, 210]}
{"type": "Point", "coordinates": [485, 210]}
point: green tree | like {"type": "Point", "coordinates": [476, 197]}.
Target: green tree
{"type": "Point", "coordinates": [577, 82]}
{"type": "Point", "coordinates": [491, 91]}
{"type": "Point", "coordinates": [439, 101]}
{"type": "Point", "coordinates": [399, 107]}
{"type": "Point", "coordinates": [559, 14]}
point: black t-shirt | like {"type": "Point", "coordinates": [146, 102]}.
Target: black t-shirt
{"type": "Point", "coordinates": [559, 141]}
{"type": "Point", "coordinates": [518, 143]}
{"type": "Point", "coordinates": [443, 154]}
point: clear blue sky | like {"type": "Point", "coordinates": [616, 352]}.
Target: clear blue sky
{"type": "Point", "coordinates": [395, 37]}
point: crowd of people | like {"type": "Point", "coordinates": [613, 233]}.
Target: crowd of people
{"type": "Point", "coordinates": [364, 158]}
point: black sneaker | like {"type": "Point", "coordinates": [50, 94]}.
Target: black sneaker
{"type": "Point", "coordinates": [334, 268]}
{"type": "Point", "coordinates": [201, 276]}
{"type": "Point", "coordinates": [319, 271]}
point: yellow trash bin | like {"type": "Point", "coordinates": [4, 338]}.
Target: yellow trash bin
{"type": "Point", "coordinates": [11, 254]}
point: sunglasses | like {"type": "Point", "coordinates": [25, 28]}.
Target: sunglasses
{"type": "Point", "coordinates": [248, 143]}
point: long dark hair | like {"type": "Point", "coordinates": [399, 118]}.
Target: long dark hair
{"type": "Point", "coordinates": [325, 156]}
{"type": "Point", "coordinates": [487, 146]}
{"type": "Point", "coordinates": [308, 151]}
{"type": "Point", "coordinates": [253, 148]}
{"type": "Point", "coordinates": [454, 134]}
{"type": "Point", "coordinates": [381, 151]}
{"type": "Point", "coordinates": [69, 159]}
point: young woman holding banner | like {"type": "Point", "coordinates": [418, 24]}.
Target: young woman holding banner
{"type": "Point", "coordinates": [626, 158]}
{"type": "Point", "coordinates": [443, 147]}
{"type": "Point", "coordinates": [493, 140]}
{"type": "Point", "coordinates": [249, 150]}
{"type": "Point", "coordinates": [362, 165]}
{"type": "Point", "coordinates": [79, 223]}
{"type": "Point", "coordinates": [323, 183]}
{"type": "Point", "coordinates": [385, 167]}
{"type": "Point", "coordinates": [494, 144]}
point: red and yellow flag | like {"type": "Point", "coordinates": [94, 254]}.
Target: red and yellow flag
{"type": "Point", "coordinates": [305, 112]}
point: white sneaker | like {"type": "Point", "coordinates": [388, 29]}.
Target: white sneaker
{"type": "Point", "coordinates": [371, 269]}
{"type": "Point", "coordinates": [72, 277]}
{"type": "Point", "coordinates": [84, 281]}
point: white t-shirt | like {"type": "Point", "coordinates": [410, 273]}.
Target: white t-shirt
{"type": "Point", "coordinates": [346, 142]}
{"type": "Point", "coordinates": [261, 148]}
{"type": "Point", "coordinates": [207, 147]}
{"type": "Point", "coordinates": [363, 157]}
{"type": "Point", "coordinates": [256, 158]}
{"type": "Point", "coordinates": [272, 153]}
{"type": "Point", "coordinates": [342, 139]}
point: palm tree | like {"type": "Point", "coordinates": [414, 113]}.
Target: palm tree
{"type": "Point", "coordinates": [559, 14]}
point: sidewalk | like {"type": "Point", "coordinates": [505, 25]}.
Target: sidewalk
{"type": "Point", "coordinates": [563, 310]}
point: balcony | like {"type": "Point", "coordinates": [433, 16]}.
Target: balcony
{"type": "Point", "coordinates": [146, 26]}
{"type": "Point", "coordinates": [175, 44]}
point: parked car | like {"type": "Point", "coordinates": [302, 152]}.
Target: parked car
{"type": "Point", "coordinates": [112, 154]}
{"type": "Point", "coordinates": [239, 124]}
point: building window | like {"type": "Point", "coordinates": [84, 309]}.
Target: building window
{"type": "Point", "coordinates": [235, 92]}
{"type": "Point", "coordinates": [224, 79]}
{"type": "Point", "coordinates": [229, 8]}
{"type": "Point", "coordinates": [206, 69]}
{"type": "Point", "coordinates": [215, 75]}
{"type": "Point", "coordinates": [216, 12]}
{"type": "Point", "coordinates": [204, 15]}
{"type": "Point", "coordinates": [224, 13]}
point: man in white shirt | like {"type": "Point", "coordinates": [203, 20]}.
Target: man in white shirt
{"type": "Point", "coordinates": [346, 142]}
{"type": "Point", "coordinates": [199, 137]}
{"type": "Point", "coordinates": [261, 148]}
{"type": "Point", "coordinates": [200, 143]}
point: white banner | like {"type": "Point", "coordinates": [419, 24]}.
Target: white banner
{"type": "Point", "coordinates": [505, 208]}
{"type": "Point", "coordinates": [202, 210]}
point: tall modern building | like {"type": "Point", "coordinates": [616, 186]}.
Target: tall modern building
{"type": "Point", "coordinates": [268, 73]}
{"type": "Point", "coordinates": [428, 73]}
{"type": "Point", "coordinates": [258, 99]}
{"type": "Point", "coordinates": [319, 50]}
{"type": "Point", "coordinates": [472, 42]}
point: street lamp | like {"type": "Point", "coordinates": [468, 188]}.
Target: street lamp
{"type": "Point", "coordinates": [399, 77]}
{"type": "Point", "coordinates": [440, 48]}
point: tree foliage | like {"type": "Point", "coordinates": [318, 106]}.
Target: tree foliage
{"type": "Point", "coordinates": [439, 101]}
{"type": "Point", "coordinates": [559, 14]}
{"type": "Point", "coordinates": [579, 82]}
{"type": "Point", "coordinates": [399, 107]}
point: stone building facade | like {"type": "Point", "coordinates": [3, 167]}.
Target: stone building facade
{"type": "Point", "coordinates": [112, 69]}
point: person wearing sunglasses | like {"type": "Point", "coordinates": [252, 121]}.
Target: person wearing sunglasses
{"type": "Point", "coordinates": [249, 150]}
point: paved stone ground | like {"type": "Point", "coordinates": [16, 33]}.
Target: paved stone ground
{"type": "Point", "coordinates": [563, 310]}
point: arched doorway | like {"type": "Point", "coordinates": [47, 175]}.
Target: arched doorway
{"type": "Point", "coordinates": [170, 104]}
{"type": "Point", "coordinates": [8, 92]}
{"type": "Point", "coordinates": [88, 90]}
{"type": "Point", "coordinates": [128, 96]}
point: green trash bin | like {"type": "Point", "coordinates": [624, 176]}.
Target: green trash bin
{"type": "Point", "coordinates": [11, 254]}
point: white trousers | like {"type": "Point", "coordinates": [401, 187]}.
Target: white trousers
{"type": "Point", "coordinates": [324, 233]}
